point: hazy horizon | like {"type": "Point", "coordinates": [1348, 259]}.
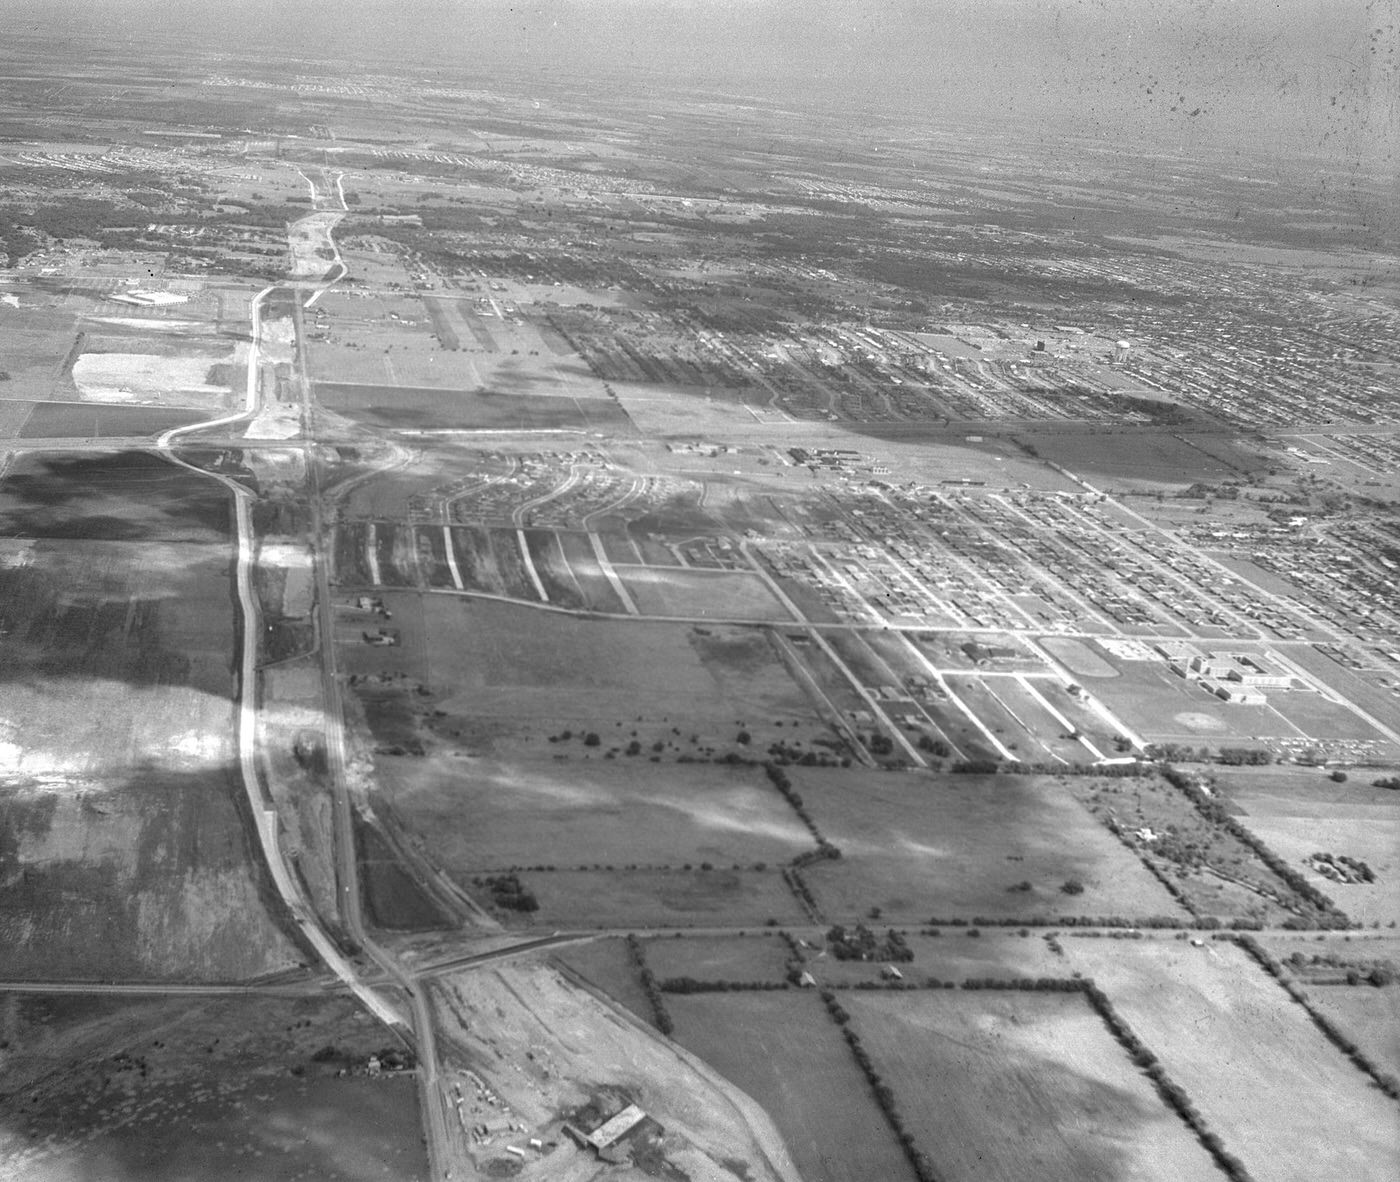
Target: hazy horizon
{"type": "Point", "coordinates": [1292, 77]}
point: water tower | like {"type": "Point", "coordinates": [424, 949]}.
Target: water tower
{"type": "Point", "coordinates": [1120, 351]}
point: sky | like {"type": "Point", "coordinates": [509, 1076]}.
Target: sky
{"type": "Point", "coordinates": [1301, 76]}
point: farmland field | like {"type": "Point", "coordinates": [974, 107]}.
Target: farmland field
{"type": "Point", "coordinates": [1007, 1086]}
{"type": "Point", "coordinates": [1297, 819]}
{"type": "Point", "coordinates": [952, 955]}
{"type": "Point", "coordinates": [420, 408]}
{"type": "Point", "coordinates": [1370, 1016]}
{"type": "Point", "coordinates": [957, 844]}
{"type": "Point", "coordinates": [721, 595]}
{"type": "Point", "coordinates": [131, 496]}
{"type": "Point", "coordinates": [638, 898]}
{"type": "Point", "coordinates": [146, 878]}
{"type": "Point", "coordinates": [88, 420]}
{"type": "Point", "coordinates": [1243, 1052]}
{"type": "Point", "coordinates": [784, 1051]}
{"type": "Point", "coordinates": [172, 1089]}
{"type": "Point", "coordinates": [530, 674]}
{"type": "Point", "coordinates": [607, 964]}
{"type": "Point", "coordinates": [752, 958]}
{"type": "Point", "coordinates": [494, 815]}
{"type": "Point", "coordinates": [151, 614]}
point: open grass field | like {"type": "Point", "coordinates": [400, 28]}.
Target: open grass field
{"type": "Point", "coordinates": [509, 678]}
{"type": "Point", "coordinates": [1082, 715]}
{"type": "Point", "coordinates": [427, 408]}
{"type": "Point", "coordinates": [607, 965]}
{"type": "Point", "coordinates": [1320, 718]}
{"type": "Point", "coordinates": [1080, 657]}
{"type": "Point", "coordinates": [1010, 1086]}
{"type": "Point", "coordinates": [561, 587]}
{"type": "Point", "coordinates": [1244, 1052]}
{"type": "Point", "coordinates": [172, 1089]}
{"type": "Point", "coordinates": [1049, 736]}
{"type": "Point", "coordinates": [586, 571]}
{"type": "Point", "coordinates": [761, 957]}
{"type": "Point", "coordinates": [990, 699]}
{"type": "Point", "coordinates": [955, 845]}
{"type": "Point", "coordinates": [94, 420]}
{"type": "Point", "coordinates": [494, 815]}
{"type": "Point", "coordinates": [653, 898]}
{"type": "Point", "coordinates": [1140, 458]}
{"type": "Point", "coordinates": [1370, 1016]}
{"type": "Point", "coordinates": [1364, 693]}
{"type": "Point", "coordinates": [783, 1050]}
{"type": "Point", "coordinates": [1298, 816]}
{"type": "Point", "coordinates": [550, 658]}
{"type": "Point", "coordinates": [34, 347]}
{"type": "Point", "coordinates": [392, 896]}
{"type": "Point", "coordinates": [14, 413]}
{"type": "Point", "coordinates": [952, 955]}
{"type": "Point", "coordinates": [722, 595]}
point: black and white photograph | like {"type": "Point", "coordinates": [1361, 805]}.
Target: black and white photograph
{"type": "Point", "coordinates": [699, 590]}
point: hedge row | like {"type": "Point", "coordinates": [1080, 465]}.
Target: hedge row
{"type": "Point", "coordinates": [792, 875]}
{"type": "Point", "coordinates": [1156, 922]}
{"type": "Point", "coordinates": [1171, 1092]}
{"type": "Point", "coordinates": [1014, 767]}
{"type": "Point", "coordinates": [649, 985]}
{"type": "Point", "coordinates": [1384, 1080]}
{"type": "Point", "coordinates": [884, 1096]}
{"type": "Point", "coordinates": [780, 781]}
{"type": "Point", "coordinates": [691, 985]}
{"type": "Point", "coordinates": [1172, 887]}
{"type": "Point", "coordinates": [1213, 811]}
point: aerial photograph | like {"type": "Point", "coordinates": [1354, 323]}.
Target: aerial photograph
{"type": "Point", "coordinates": [700, 590]}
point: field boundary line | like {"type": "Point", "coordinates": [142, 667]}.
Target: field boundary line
{"type": "Point", "coordinates": [452, 559]}
{"type": "Point", "coordinates": [1387, 1082]}
{"type": "Point", "coordinates": [605, 564]}
{"type": "Point", "coordinates": [529, 565]}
